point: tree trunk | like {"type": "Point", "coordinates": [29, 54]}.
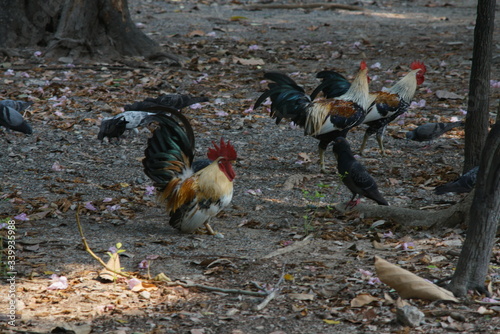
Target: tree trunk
{"type": "Point", "coordinates": [74, 28]}
{"type": "Point", "coordinates": [474, 260]}
{"type": "Point", "coordinates": [477, 120]}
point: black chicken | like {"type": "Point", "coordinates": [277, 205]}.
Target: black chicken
{"type": "Point", "coordinates": [354, 175]}
{"type": "Point", "coordinates": [431, 131]}
{"type": "Point", "coordinates": [464, 184]}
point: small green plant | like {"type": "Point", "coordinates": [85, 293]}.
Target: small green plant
{"type": "Point", "coordinates": [114, 260]}
{"type": "Point", "coordinates": [314, 197]}
{"type": "Point", "coordinates": [115, 250]}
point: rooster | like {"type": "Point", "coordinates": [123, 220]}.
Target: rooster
{"type": "Point", "coordinates": [388, 105]}
{"type": "Point", "coordinates": [323, 119]}
{"type": "Point", "coordinates": [193, 191]}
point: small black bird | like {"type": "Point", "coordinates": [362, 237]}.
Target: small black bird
{"type": "Point", "coordinates": [112, 128]}
{"type": "Point", "coordinates": [177, 101]}
{"type": "Point", "coordinates": [464, 184]}
{"type": "Point", "coordinates": [354, 175]}
{"type": "Point", "coordinates": [431, 131]}
{"type": "Point", "coordinates": [12, 119]}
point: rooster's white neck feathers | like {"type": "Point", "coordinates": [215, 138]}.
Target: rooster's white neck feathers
{"type": "Point", "coordinates": [406, 87]}
{"type": "Point", "coordinates": [358, 92]}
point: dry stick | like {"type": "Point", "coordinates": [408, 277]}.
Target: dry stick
{"type": "Point", "coordinates": [87, 247]}
{"type": "Point", "coordinates": [273, 294]}
{"type": "Point", "coordinates": [184, 285]}
{"type": "Point", "coordinates": [212, 288]}
{"type": "Point", "coordinates": [291, 248]}
{"type": "Point", "coordinates": [323, 6]}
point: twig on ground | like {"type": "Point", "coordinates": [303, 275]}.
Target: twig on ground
{"type": "Point", "coordinates": [215, 289]}
{"type": "Point", "coordinates": [273, 294]}
{"type": "Point", "coordinates": [266, 301]}
{"type": "Point", "coordinates": [177, 283]}
{"type": "Point", "coordinates": [291, 248]}
{"type": "Point", "coordinates": [88, 250]}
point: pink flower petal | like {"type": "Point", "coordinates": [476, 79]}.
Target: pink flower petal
{"type": "Point", "coordinates": [22, 217]}
{"type": "Point", "coordinates": [90, 207]}
{"type": "Point", "coordinates": [133, 282]}
{"type": "Point", "coordinates": [196, 106]}
{"type": "Point", "coordinates": [150, 190]}
{"type": "Point", "coordinates": [56, 167]}
{"type": "Point", "coordinates": [58, 283]}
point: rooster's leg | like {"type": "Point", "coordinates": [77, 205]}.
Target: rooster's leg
{"type": "Point", "coordinates": [209, 228]}
{"type": "Point", "coordinates": [380, 139]}
{"type": "Point", "coordinates": [322, 160]}
{"type": "Point", "coordinates": [322, 146]}
{"type": "Point", "coordinates": [363, 144]}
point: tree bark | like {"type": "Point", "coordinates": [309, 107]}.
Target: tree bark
{"type": "Point", "coordinates": [78, 29]}
{"type": "Point", "coordinates": [474, 260]}
{"type": "Point", "coordinates": [477, 120]}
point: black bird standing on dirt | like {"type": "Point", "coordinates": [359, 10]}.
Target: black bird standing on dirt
{"type": "Point", "coordinates": [16, 104]}
{"type": "Point", "coordinates": [354, 175]}
{"type": "Point", "coordinates": [431, 131]}
{"type": "Point", "coordinates": [13, 120]}
{"type": "Point", "coordinates": [112, 128]}
{"type": "Point", "coordinates": [177, 101]}
{"type": "Point", "coordinates": [464, 184]}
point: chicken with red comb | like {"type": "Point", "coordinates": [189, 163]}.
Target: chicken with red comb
{"type": "Point", "coordinates": [193, 192]}
{"type": "Point", "coordinates": [387, 106]}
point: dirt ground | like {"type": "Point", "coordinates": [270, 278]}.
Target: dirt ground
{"type": "Point", "coordinates": [281, 232]}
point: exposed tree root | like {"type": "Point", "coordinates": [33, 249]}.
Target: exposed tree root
{"type": "Point", "coordinates": [320, 5]}
{"type": "Point", "coordinates": [449, 217]}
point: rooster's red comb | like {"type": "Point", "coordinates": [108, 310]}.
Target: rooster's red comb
{"type": "Point", "coordinates": [225, 150]}
{"type": "Point", "coordinates": [418, 65]}
{"type": "Point", "coordinates": [362, 65]}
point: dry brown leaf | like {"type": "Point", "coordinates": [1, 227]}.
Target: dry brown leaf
{"type": "Point", "coordinates": [250, 61]}
{"type": "Point", "coordinates": [362, 299]}
{"type": "Point", "coordinates": [294, 180]}
{"type": "Point", "coordinates": [378, 245]}
{"type": "Point", "coordinates": [305, 157]}
{"type": "Point", "coordinates": [301, 296]}
{"type": "Point", "coordinates": [388, 298]}
{"type": "Point", "coordinates": [143, 286]}
{"type": "Point", "coordinates": [400, 303]}
{"type": "Point", "coordinates": [409, 285]}
{"type": "Point", "coordinates": [196, 33]}
{"type": "Point", "coordinates": [114, 264]}
{"type": "Point", "coordinates": [445, 95]}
